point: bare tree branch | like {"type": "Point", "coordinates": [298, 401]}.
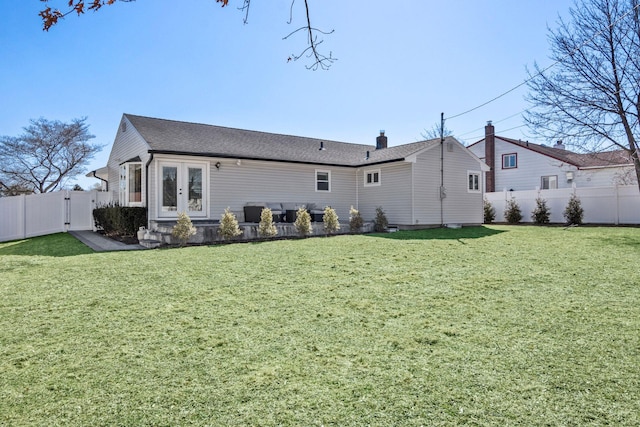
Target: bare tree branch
{"type": "Point", "coordinates": [50, 17]}
{"type": "Point", "coordinates": [319, 60]}
{"type": "Point", "coordinates": [590, 98]}
{"type": "Point", "coordinates": [46, 155]}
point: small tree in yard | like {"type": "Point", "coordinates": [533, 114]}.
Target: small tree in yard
{"type": "Point", "coordinates": [229, 225]}
{"type": "Point", "coordinates": [267, 228]}
{"type": "Point", "coordinates": [573, 213]}
{"type": "Point", "coordinates": [355, 220]}
{"type": "Point", "coordinates": [183, 229]}
{"type": "Point", "coordinates": [380, 224]}
{"type": "Point", "coordinates": [541, 213]}
{"type": "Point", "coordinates": [489, 212]}
{"type": "Point", "coordinates": [512, 213]}
{"type": "Point", "coordinates": [330, 220]}
{"type": "Point", "coordinates": [303, 222]}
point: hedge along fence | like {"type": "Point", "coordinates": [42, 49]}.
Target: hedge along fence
{"type": "Point", "coordinates": [602, 205]}
{"type": "Point", "coordinates": [118, 220]}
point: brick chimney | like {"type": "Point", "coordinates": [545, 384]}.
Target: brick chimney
{"type": "Point", "coordinates": [381, 141]}
{"type": "Point", "coordinates": [490, 156]}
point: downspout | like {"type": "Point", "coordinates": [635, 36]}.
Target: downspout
{"type": "Point", "coordinates": [103, 180]}
{"type": "Point", "coordinates": [357, 189]}
{"type": "Point", "coordinates": [146, 187]}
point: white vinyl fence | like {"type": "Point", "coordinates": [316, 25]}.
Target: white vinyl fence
{"type": "Point", "coordinates": [39, 214]}
{"type": "Point", "coordinates": [602, 205]}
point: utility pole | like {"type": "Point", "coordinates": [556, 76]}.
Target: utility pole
{"type": "Point", "coordinates": [443, 192]}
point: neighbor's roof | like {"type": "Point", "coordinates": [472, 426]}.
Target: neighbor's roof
{"type": "Point", "coordinates": [580, 160]}
{"type": "Point", "coordinates": [170, 136]}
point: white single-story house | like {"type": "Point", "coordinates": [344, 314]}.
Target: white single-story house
{"type": "Point", "coordinates": [520, 165]}
{"type": "Point", "coordinates": [172, 166]}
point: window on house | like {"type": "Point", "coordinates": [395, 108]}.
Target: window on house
{"type": "Point", "coordinates": [473, 181]}
{"type": "Point", "coordinates": [509, 161]}
{"type": "Point", "coordinates": [130, 184]}
{"type": "Point", "coordinates": [372, 178]}
{"type": "Point", "coordinates": [549, 182]}
{"type": "Point", "coordinates": [323, 180]}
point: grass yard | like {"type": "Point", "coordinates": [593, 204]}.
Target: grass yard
{"type": "Point", "coordinates": [478, 326]}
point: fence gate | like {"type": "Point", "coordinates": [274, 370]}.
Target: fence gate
{"type": "Point", "coordinates": [39, 214]}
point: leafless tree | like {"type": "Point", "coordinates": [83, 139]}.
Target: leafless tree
{"type": "Point", "coordinates": [45, 156]}
{"type": "Point", "coordinates": [436, 132]}
{"type": "Point", "coordinates": [590, 95]}
{"type": "Point", "coordinates": [50, 17]}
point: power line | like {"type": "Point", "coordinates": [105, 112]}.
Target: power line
{"type": "Point", "coordinates": [545, 69]}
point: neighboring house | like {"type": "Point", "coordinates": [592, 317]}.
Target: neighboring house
{"type": "Point", "coordinates": [521, 165]}
{"type": "Point", "coordinates": [171, 166]}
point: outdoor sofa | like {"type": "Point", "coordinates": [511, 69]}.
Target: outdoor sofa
{"type": "Point", "coordinates": [281, 212]}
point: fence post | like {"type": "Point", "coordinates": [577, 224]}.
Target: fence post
{"type": "Point", "coordinates": [617, 204]}
{"type": "Point", "coordinates": [23, 216]}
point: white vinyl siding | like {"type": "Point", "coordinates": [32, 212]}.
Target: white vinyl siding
{"type": "Point", "coordinates": [531, 166]}
{"type": "Point", "coordinates": [394, 197]}
{"type": "Point", "coordinates": [127, 145]}
{"type": "Point", "coordinates": [235, 185]}
{"type": "Point", "coordinates": [459, 206]}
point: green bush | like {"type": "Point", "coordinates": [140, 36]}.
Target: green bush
{"type": "Point", "coordinates": [381, 223]}
{"type": "Point", "coordinates": [330, 220]}
{"type": "Point", "coordinates": [541, 213]}
{"type": "Point", "coordinates": [116, 220]}
{"type": "Point", "coordinates": [266, 228]}
{"type": "Point", "coordinates": [512, 213]}
{"type": "Point", "coordinates": [303, 222]}
{"type": "Point", "coordinates": [574, 213]}
{"type": "Point", "coordinates": [489, 211]}
{"type": "Point", "coordinates": [355, 220]}
{"type": "Point", "coordinates": [229, 225]}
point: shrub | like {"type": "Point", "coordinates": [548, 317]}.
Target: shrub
{"type": "Point", "coordinates": [380, 223]}
{"type": "Point", "coordinates": [183, 229]}
{"type": "Point", "coordinates": [116, 220]}
{"type": "Point", "coordinates": [266, 228]}
{"type": "Point", "coordinates": [229, 225]}
{"type": "Point", "coordinates": [330, 220]}
{"type": "Point", "coordinates": [303, 222]}
{"type": "Point", "coordinates": [355, 220]}
{"type": "Point", "coordinates": [489, 211]}
{"type": "Point", "coordinates": [512, 213]}
{"type": "Point", "coordinates": [574, 213]}
{"type": "Point", "coordinates": [541, 213]}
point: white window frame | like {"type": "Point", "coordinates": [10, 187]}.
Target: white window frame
{"type": "Point", "coordinates": [124, 184]}
{"type": "Point", "coordinates": [372, 173]}
{"type": "Point", "coordinates": [515, 160]}
{"type": "Point", "coordinates": [328, 181]}
{"type": "Point", "coordinates": [549, 187]}
{"type": "Point", "coordinates": [478, 181]}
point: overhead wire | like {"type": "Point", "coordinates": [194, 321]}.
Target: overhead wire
{"type": "Point", "coordinates": [553, 64]}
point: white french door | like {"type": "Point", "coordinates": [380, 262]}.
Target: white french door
{"type": "Point", "coordinates": [182, 188]}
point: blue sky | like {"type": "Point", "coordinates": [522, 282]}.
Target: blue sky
{"type": "Point", "coordinates": [400, 64]}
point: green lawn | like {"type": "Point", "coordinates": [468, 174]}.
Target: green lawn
{"type": "Point", "coordinates": [479, 326]}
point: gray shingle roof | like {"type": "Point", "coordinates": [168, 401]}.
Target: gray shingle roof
{"type": "Point", "coordinates": [170, 136]}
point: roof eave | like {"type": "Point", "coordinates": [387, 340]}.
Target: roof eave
{"type": "Point", "coordinates": [229, 156]}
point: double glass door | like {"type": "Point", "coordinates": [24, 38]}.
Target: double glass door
{"type": "Point", "coordinates": [182, 189]}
